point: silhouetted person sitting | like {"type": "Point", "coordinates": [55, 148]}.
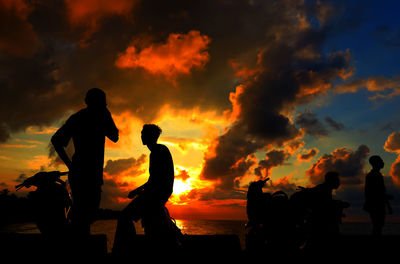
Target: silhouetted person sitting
{"type": "Point", "coordinates": [149, 200]}
{"type": "Point", "coordinates": [87, 129]}
{"type": "Point", "coordinates": [376, 198]}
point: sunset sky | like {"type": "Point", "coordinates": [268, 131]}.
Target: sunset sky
{"type": "Point", "coordinates": [242, 89]}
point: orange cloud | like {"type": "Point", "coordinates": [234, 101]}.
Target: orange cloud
{"type": "Point", "coordinates": [395, 171]}
{"type": "Point", "coordinates": [179, 55]}
{"type": "Point", "coordinates": [382, 87]}
{"type": "Point", "coordinates": [244, 71]}
{"type": "Point", "coordinates": [307, 156]}
{"type": "Point", "coordinates": [89, 13]}
{"type": "Point", "coordinates": [40, 130]}
{"type": "Point", "coordinates": [392, 144]}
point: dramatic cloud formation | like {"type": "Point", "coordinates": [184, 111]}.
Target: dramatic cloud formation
{"type": "Point", "coordinates": [294, 71]}
{"type": "Point", "coordinates": [228, 81]}
{"type": "Point", "coordinates": [179, 55]}
{"type": "Point", "coordinates": [392, 144]}
{"type": "Point", "coordinates": [53, 82]}
{"type": "Point", "coordinates": [349, 164]}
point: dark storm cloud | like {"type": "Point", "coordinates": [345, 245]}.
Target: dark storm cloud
{"type": "Point", "coordinates": [293, 71]}
{"type": "Point", "coordinates": [115, 167]}
{"type": "Point", "coordinates": [272, 159]}
{"type": "Point", "coordinates": [311, 124]}
{"type": "Point", "coordinates": [349, 164]}
{"type": "Point", "coordinates": [314, 127]}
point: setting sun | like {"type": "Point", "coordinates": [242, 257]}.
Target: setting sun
{"type": "Point", "coordinates": [181, 187]}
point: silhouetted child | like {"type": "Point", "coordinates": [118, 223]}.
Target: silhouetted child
{"type": "Point", "coordinates": [376, 198]}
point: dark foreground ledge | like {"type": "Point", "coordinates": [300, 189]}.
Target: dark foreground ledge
{"type": "Point", "coordinates": [35, 246]}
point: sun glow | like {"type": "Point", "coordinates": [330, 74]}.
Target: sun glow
{"type": "Point", "coordinates": [181, 187]}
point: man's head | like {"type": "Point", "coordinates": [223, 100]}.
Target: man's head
{"type": "Point", "coordinates": [150, 134]}
{"type": "Point", "coordinates": [96, 99]}
{"type": "Point", "coordinates": [332, 179]}
{"type": "Point", "coordinates": [376, 162]}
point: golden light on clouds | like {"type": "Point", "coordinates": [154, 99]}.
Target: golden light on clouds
{"type": "Point", "coordinates": [179, 55]}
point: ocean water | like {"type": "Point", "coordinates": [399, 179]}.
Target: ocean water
{"type": "Point", "coordinates": [202, 227]}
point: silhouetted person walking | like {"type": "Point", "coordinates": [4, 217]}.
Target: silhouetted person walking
{"type": "Point", "coordinates": [149, 199]}
{"type": "Point", "coordinates": [87, 128]}
{"type": "Point", "coordinates": [376, 198]}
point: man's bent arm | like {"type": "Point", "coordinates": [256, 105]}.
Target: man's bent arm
{"type": "Point", "coordinates": [111, 128]}
{"type": "Point", "coordinates": [61, 152]}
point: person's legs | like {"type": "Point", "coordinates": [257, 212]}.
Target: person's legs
{"type": "Point", "coordinates": [156, 219]}
{"type": "Point", "coordinates": [125, 233]}
{"type": "Point", "coordinates": [79, 221]}
{"type": "Point", "coordinates": [378, 220]}
{"type": "Point", "coordinates": [86, 201]}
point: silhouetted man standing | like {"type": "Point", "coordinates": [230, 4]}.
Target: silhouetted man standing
{"type": "Point", "coordinates": [376, 198]}
{"type": "Point", "coordinates": [150, 198]}
{"type": "Point", "coordinates": [87, 129]}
